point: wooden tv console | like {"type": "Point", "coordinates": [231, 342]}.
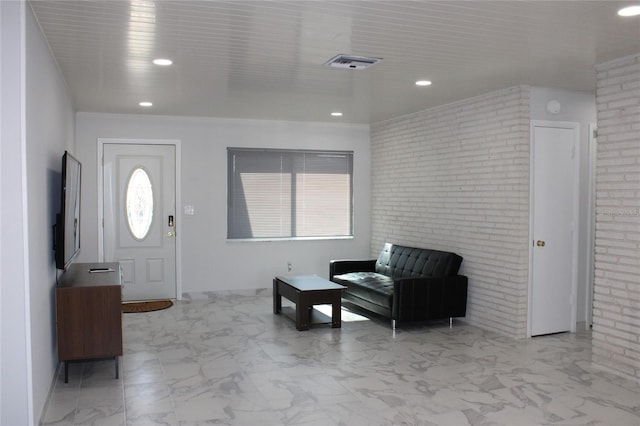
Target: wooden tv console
{"type": "Point", "coordinates": [89, 313]}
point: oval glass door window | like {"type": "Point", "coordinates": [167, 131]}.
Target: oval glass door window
{"type": "Point", "coordinates": [139, 201]}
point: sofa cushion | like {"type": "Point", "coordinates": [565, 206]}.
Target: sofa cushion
{"type": "Point", "coordinates": [401, 262]}
{"type": "Point", "coordinates": [370, 286]}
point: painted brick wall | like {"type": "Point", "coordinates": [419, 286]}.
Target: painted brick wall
{"type": "Point", "coordinates": [616, 307]}
{"type": "Point", "coordinates": [456, 178]}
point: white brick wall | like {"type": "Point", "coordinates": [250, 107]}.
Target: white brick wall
{"type": "Point", "coordinates": [616, 306]}
{"type": "Point", "coordinates": [456, 178]}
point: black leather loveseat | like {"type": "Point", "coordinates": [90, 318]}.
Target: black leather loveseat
{"type": "Point", "coordinates": [405, 283]}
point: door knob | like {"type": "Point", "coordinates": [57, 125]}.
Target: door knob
{"type": "Point", "coordinates": [540, 243]}
{"type": "Point", "coordinates": [171, 234]}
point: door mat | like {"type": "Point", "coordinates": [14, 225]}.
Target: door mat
{"type": "Point", "coordinates": [146, 306]}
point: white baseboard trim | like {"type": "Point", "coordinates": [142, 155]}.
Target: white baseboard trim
{"type": "Point", "coordinates": [212, 295]}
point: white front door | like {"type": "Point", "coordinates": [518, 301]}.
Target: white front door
{"type": "Point", "coordinates": [554, 221]}
{"type": "Point", "coordinates": [139, 189]}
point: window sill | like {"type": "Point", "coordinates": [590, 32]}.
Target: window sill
{"type": "Point", "coordinates": [257, 240]}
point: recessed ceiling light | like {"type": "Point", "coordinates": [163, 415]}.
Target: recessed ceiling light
{"type": "Point", "coordinates": [146, 104]}
{"type": "Point", "coordinates": [336, 114]}
{"type": "Point", "coordinates": [630, 11]}
{"type": "Point", "coordinates": [423, 83]}
{"type": "Point", "coordinates": [163, 62]}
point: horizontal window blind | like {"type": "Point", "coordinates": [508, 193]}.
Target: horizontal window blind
{"type": "Point", "coordinates": [289, 194]}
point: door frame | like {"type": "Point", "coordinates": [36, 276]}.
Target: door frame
{"type": "Point", "coordinates": [576, 216]}
{"type": "Point", "coordinates": [178, 162]}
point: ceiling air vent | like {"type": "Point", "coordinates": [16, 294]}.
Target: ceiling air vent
{"type": "Point", "coordinates": [351, 62]}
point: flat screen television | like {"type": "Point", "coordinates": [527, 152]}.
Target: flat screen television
{"type": "Point", "coordinates": [67, 228]}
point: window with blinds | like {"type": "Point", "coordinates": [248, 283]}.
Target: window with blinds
{"type": "Point", "coordinates": [289, 194]}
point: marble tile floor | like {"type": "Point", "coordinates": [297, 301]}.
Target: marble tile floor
{"type": "Point", "coordinates": [229, 360]}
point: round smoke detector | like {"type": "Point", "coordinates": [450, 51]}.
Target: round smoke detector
{"type": "Point", "coordinates": [553, 106]}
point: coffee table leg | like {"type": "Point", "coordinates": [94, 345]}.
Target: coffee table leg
{"type": "Point", "coordinates": [336, 312]}
{"type": "Point", "coordinates": [277, 298]}
{"type": "Point", "coordinates": [303, 311]}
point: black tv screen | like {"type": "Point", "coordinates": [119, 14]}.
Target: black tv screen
{"type": "Point", "coordinates": [67, 230]}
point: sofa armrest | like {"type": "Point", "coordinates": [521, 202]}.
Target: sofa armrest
{"type": "Point", "coordinates": [338, 267]}
{"type": "Point", "coordinates": [424, 298]}
{"type": "Point", "coordinates": [455, 289]}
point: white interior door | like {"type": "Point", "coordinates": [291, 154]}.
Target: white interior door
{"type": "Point", "coordinates": [554, 221]}
{"type": "Point", "coordinates": [139, 205]}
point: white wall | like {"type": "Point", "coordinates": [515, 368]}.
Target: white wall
{"type": "Point", "coordinates": [15, 385]}
{"type": "Point", "coordinates": [579, 107]}
{"type": "Point", "coordinates": [456, 178]}
{"type": "Point", "coordinates": [616, 309]}
{"type": "Point", "coordinates": [49, 130]}
{"type": "Point", "coordinates": [37, 125]}
{"type": "Point", "coordinates": [209, 262]}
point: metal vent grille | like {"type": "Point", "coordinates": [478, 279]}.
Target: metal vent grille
{"type": "Point", "coordinates": [351, 62]}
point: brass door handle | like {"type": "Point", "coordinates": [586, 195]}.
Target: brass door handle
{"type": "Point", "coordinates": [540, 243]}
{"type": "Point", "coordinates": [171, 234]}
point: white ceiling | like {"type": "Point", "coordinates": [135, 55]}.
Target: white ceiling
{"type": "Point", "coordinates": [263, 59]}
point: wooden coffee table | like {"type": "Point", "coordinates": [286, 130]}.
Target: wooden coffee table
{"type": "Point", "coordinates": [306, 291]}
